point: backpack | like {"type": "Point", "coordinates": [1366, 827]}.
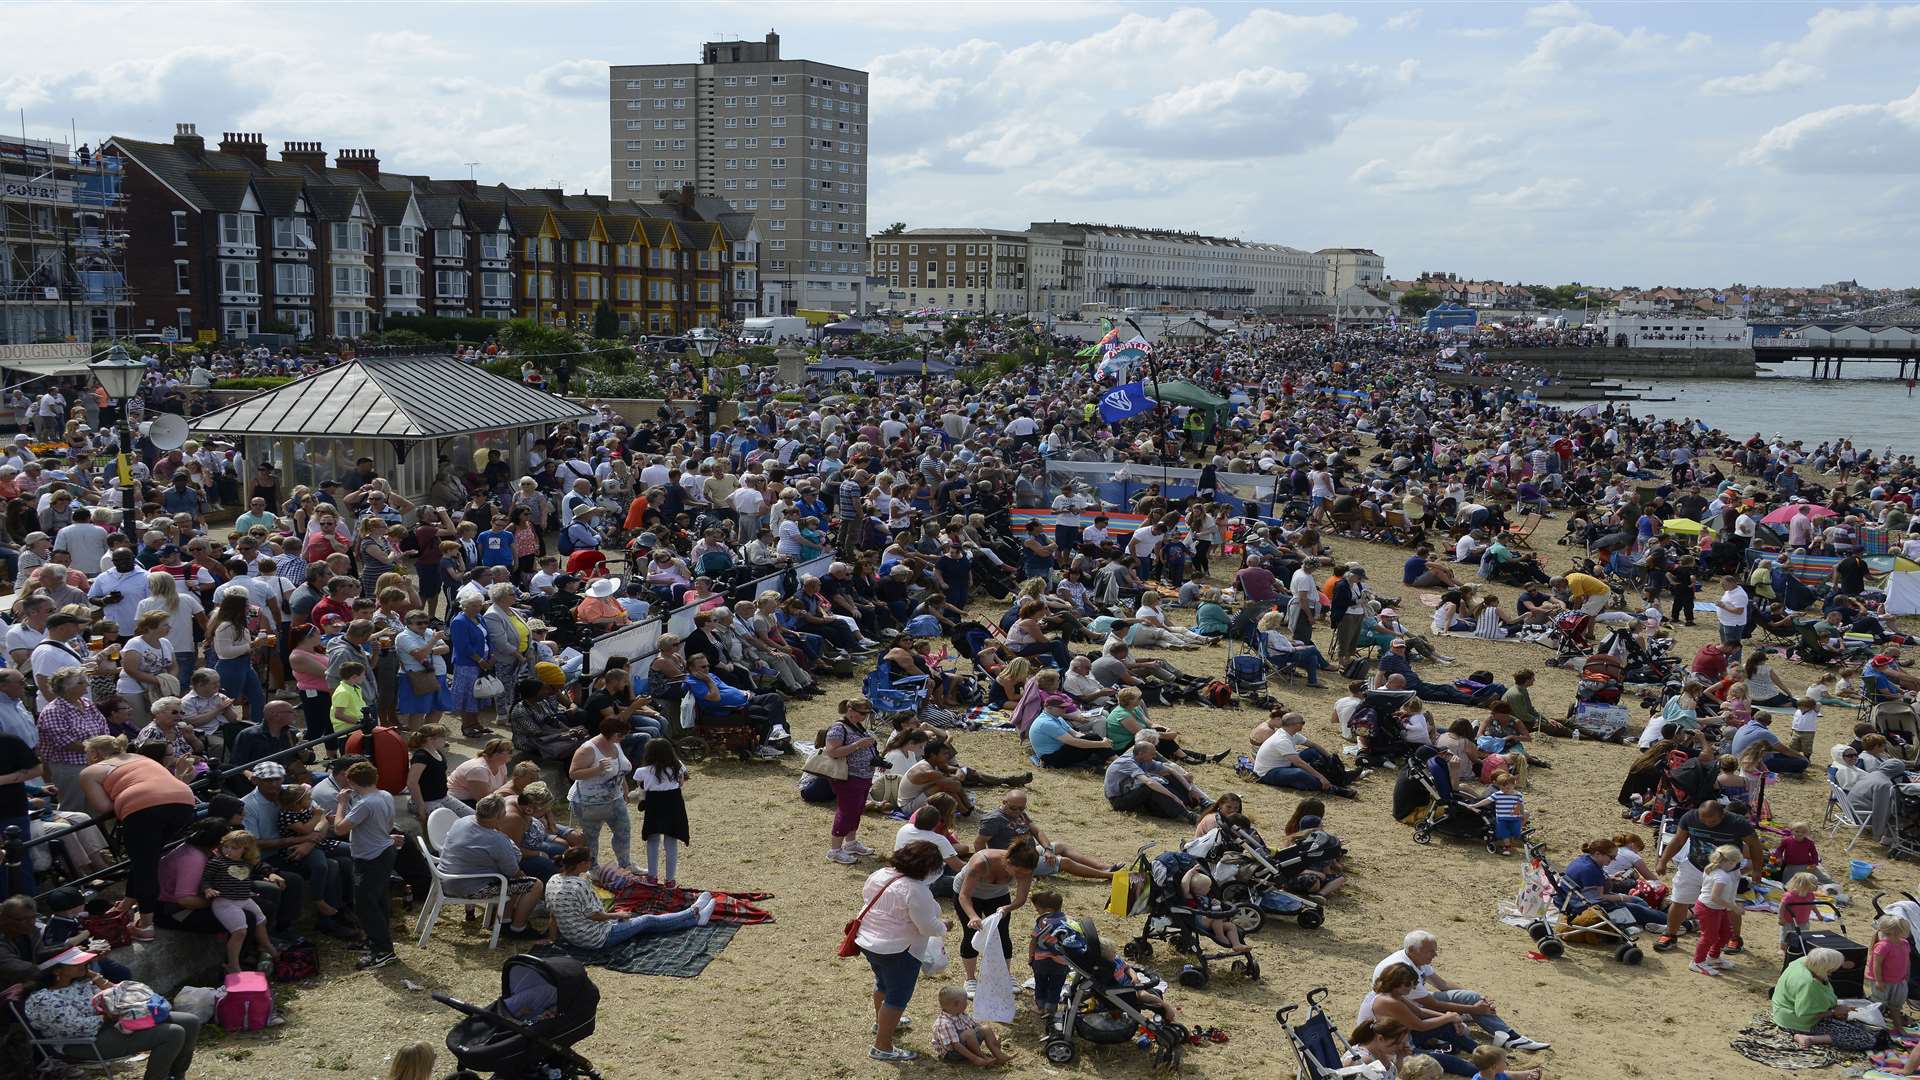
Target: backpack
{"type": "Point", "coordinates": [298, 960]}
{"type": "Point", "coordinates": [564, 542]}
{"type": "Point", "coordinates": [245, 1002]}
{"type": "Point", "coordinates": [1218, 694]}
{"type": "Point", "coordinates": [1356, 668]}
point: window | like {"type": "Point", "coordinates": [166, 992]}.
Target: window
{"type": "Point", "coordinates": [659, 103]}
{"type": "Point", "coordinates": [659, 163]}
{"type": "Point", "coordinates": [632, 145]}
{"type": "Point", "coordinates": [237, 229]}
{"type": "Point", "coordinates": [778, 142]}
{"type": "Point", "coordinates": [349, 324]}
{"type": "Point", "coordinates": [183, 318]}
{"type": "Point", "coordinates": [679, 125]}
{"type": "Point", "coordinates": [778, 99]}
{"type": "Point", "coordinates": [679, 144]}
{"type": "Point", "coordinates": [777, 225]}
{"type": "Point", "coordinates": [241, 322]}
{"type": "Point", "coordinates": [777, 185]}
{"type": "Point", "coordinates": [733, 163]}
{"type": "Point", "coordinates": [635, 165]}
{"type": "Point", "coordinates": [753, 103]}
{"type": "Point", "coordinates": [496, 285]}
{"type": "Point", "coordinates": [659, 125]}
{"type": "Point", "coordinates": [658, 144]}
{"type": "Point", "coordinates": [679, 84]}
{"type": "Point", "coordinates": [752, 143]}
{"type": "Point", "coordinates": [777, 163]}
{"type": "Point", "coordinates": [294, 233]}
{"type": "Point", "coordinates": [680, 163]}
{"type": "Point", "coordinates": [730, 144]}
{"type": "Point", "coordinates": [493, 245]}
{"type": "Point", "coordinates": [777, 245]}
{"type": "Point", "coordinates": [730, 122]}
{"type": "Point", "coordinates": [776, 204]}
{"type": "Point", "coordinates": [732, 185]}
{"type": "Point", "coordinates": [777, 264]}
{"type": "Point", "coordinates": [750, 80]}
{"type": "Point", "coordinates": [679, 103]}
{"type": "Point", "coordinates": [730, 103]}
{"type": "Point", "coordinates": [182, 277]}
{"type": "Point", "coordinates": [730, 81]}
{"type": "Point", "coordinates": [777, 80]}
{"type": "Point", "coordinates": [635, 125]}
{"type": "Point", "coordinates": [753, 163]}
{"type": "Point", "coordinates": [753, 121]}
{"type": "Point", "coordinates": [290, 280]}
{"type": "Point", "coordinates": [403, 281]}
{"type": "Point", "coordinates": [350, 237]}
{"type": "Point", "coordinates": [634, 103]}
{"type": "Point", "coordinates": [777, 121]}
{"type": "Point", "coordinates": [753, 204]}
{"type": "Point", "coordinates": [351, 281]}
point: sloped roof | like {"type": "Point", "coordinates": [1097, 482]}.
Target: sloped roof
{"type": "Point", "coordinates": [387, 207]}
{"type": "Point", "coordinates": [224, 190]}
{"type": "Point", "coordinates": [438, 211]}
{"type": "Point", "coordinates": [278, 194]}
{"type": "Point", "coordinates": [397, 397]}
{"type": "Point", "coordinates": [332, 203]}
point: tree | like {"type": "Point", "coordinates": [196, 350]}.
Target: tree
{"type": "Point", "coordinates": [895, 229]}
{"type": "Point", "coordinates": [1557, 296]}
{"type": "Point", "coordinates": [1418, 302]}
{"type": "Point", "coordinates": [605, 323]}
{"type": "Point", "coordinates": [532, 337]}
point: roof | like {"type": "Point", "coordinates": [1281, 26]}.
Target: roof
{"type": "Point", "coordinates": [223, 190]}
{"type": "Point", "coordinates": [387, 207]}
{"type": "Point", "coordinates": [391, 397]}
{"type": "Point", "coordinates": [278, 194]}
{"type": "Point", "coordinates": [332, 203]}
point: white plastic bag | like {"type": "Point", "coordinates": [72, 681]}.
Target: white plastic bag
{"type": "Point", "coordinates": [196, 1001]}
{"type": "Point", "coordinates": [933, 958]}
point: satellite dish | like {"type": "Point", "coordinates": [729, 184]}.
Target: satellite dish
{"type": "Point", "coordinates": [168, 431]}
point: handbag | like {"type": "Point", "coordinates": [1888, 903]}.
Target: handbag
{"type": "Point", "coordinates": [488, 686]}
{"type": "Point", "coordinates": [821, 763]}
{"type": "Point", "coordinates": [847, 946]}
{"type": "Point", "coordinates": [424, 682]}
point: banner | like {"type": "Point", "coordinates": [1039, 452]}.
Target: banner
{"type": "Point", "coordinates": [1125, 402]}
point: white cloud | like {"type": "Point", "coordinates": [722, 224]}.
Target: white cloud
{"type": "Point", "coordinates": [1406, 20]}
{"type": "Point", "coordinates": [1592, 45]}
{"type": "Point", "coordinates": [1559, 13]}
{"type": "Point", "coordinates": [1785, 74]}
{"type": "Point", "coordinates": [1678, 222]}
{"type": "Point", "coordinates": [1406, 71]}
{"type": "Point", "coordinates": [1100, 177]}
{"type": "Point", "coordinates": [1547, 193]}
{"type": "Point", "coordinates": [572, 78]}
{"type": "Point", "coordinates": [1835, 32]}
{"type": "Point", "coordinates": [1257, 112]}
{"type": "Point", "coordinates": [1142, 48]}
{"type": "Point", "coordinates": [1845, 139]}
{"type": "Point", "coordinates": [1444, 162]}
{"type": "Point", "coordinates": [1009, 146]}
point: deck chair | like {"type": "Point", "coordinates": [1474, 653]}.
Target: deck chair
{"type": "Point", "coordinates": [1520, 533]}
{"type": "Point", "coordinates": [1840, 815]}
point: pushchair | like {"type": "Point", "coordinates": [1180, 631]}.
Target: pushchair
{"type": "Point", "coordinates": [1570, 637]}
{"type": "Point", "coordinates": [1167, 917]}
{"type": "Point", "coordinates": [1253, 879]}
{"type": "Point", "coordinates": [892, 698]}
{"type": "Point", "coordinates": [1555, 913]}
{"type": "Point", "coordinates": [545, 1006]}
{"type": "Point", "coordinates": [1376, 724]}
{"type": "Point", "coordinates": [1317, 1044]}
{"type": "Point", "coordinates": [1094, 1005]}
{"type": "Point", "coordinates": [1426, 789]}
{"type": "Point", "coordinates": [1247, 678]}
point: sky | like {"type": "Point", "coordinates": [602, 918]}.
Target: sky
{"type": "Point", "coordinates": [1613, 144]}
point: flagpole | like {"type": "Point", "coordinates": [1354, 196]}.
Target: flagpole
{"type": "Point", "coordinates": [1153, 372]}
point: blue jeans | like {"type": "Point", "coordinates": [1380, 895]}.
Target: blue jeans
{"type": "Point", "coordinates": [1439, 1041]}
{"type": "Point", "coordinates": [1289, 776]}
{"type": "Point", "coordinates": [620, 932]}
{"type": "Point", "coordinates": [242, 682]}
{"type": "Point", "coordinates": [894, 976]}
{"type": "Point", "coordinates": [1786, 765]}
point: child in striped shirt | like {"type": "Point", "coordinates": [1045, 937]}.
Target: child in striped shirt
{"type": "Point", "coordinates": [1509, 812]}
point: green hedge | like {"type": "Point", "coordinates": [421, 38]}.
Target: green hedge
{"type": "Point", "coordinates": [445, 328]}
{"type": "Point", "coordinates": [254, 382]}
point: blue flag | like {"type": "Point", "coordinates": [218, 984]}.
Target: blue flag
{"type": "Point", "coordinates": [1125, 402]}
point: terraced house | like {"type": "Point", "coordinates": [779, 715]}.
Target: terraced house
{"type": "Point", "coordinates": [231, 243]}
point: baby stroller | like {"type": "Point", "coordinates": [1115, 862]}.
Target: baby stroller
{"type": "Point", "coordinates": [1376, 724]}
{"type": "Point", "coordinates": [1426, 789]}
{"type": "Point", "coordinates": [1172, 920]}
{"type": "Point", "coordinates": [1556, 913]}
{"type": "Point", "coordinates": [1642, 664]}
{"type": "Point", "coordinates": [1096, 1007]}
{"type": "Point", "coordinates": [1317, 1044]}
{"type": "Point", "coordinates": [1253, 879]}
{"type": "Point", "coordinates": [892, 699]}
{"type": "Point", "coordinates": [1247, 678]}
{"type": "Point", "coordinates": [1570, 637]}
{"type": "Point", "coordinates": [1600, 680]}
{"type": "Point", "coordinates": [544, 1007]}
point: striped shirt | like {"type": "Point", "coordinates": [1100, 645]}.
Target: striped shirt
{"type": "Point", "coordinates": [1506, 804]}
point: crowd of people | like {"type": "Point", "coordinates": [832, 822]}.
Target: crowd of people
{"type": "Point", "coordinates": [280, 696]}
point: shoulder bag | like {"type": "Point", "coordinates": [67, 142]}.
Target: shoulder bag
{"type": "Point", "coordinates": [847, 946]}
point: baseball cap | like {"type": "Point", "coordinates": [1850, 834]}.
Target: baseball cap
{"type": "Point", "coordinates": [63, 619]}
{"type": "Point", "coordinates": [75, 957]}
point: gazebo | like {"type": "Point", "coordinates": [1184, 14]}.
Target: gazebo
{"type": "Point", "coordinates": [404, 412]}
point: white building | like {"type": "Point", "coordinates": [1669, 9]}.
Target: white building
{"type": "Point", "coordinates": [1354, 267]}
{"type": "Point", "coordinates": [1675, 331]}
{"type": "Point", "coordinates": [1128, 267]}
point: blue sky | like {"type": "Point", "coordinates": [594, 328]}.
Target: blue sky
{"type": "Point", "coordinates": [1611, 143]}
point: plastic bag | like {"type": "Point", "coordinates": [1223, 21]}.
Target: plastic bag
{"type": "Point", "coordinates": [933, 959]}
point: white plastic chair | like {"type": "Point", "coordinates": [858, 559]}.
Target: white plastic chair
{"type": "Point", "coordinates": [494, 903]}
{"type": "Point", "coordinates": [439, 823]}
{"type": "Point", "coordinates": [83, 1053]}
{"type": "Point", "coordinates": [1840, 815]}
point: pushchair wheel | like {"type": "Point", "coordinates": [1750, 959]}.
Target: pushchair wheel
{"type": "Point", "coordinates": [1422, 835]}
{"type": "Point", "coordinates": [1194, 978]}
{"type": "Point", "coordinates": [1250, 968]}
{"type": "Point", "coordinates": [1552, 948]}
{"type": "Point", "coordinates": [1537, 931]}
{"type": "Point", "coordinates": [1629, 955]}
{"type": "Point", "coordinates": [691, 748]}
{"type": "Point", "coordinates": [1138, 949]}
{"type": "Point", "coordinates": [1312, 919]}
{"type": "Point", "coordinates": [1248, 918]}
{"type": "Point", "coordinates": [1062, 1051]}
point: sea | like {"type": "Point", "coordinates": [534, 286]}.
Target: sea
{"type": "Point", "coordinates": [1876, 413]}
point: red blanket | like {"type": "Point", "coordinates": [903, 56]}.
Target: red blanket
{"type": "Point", "coordinates": [742, 908]}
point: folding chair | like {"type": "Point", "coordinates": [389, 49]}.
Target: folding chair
{"type": "Point", "coordinates": [81, 1052]}
{"type": "Point", "coordinates": [1840, 815]}
{"type": "Point", "coordinates": [1519, 534]}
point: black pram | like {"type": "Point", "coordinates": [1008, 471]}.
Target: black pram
{"type": "Point", "coordinates": [544, 1007]}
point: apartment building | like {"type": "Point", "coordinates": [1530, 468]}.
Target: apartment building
{"type": "Point", "coordinates": [784, 141]}
{"type": "Point", "coordinates": [1349, 268]}
{"type": "Point", "coordinates": [232, 242]}
{"type": "Point", "coordinates": [1134, 267]}
{"type": "Point", "coordinates": [62, 244]}
{"type": "Point", "coordinates": [979, 270]}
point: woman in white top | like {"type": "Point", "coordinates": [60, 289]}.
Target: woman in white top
{"type": "Point", "coordinates": [1150, 627]}
{"type": "Point", "coordinates": [899, 919]}
{"type": "Point", "coordinates": [233, 647]}
{"type": "Point", "coordinates": [163, 594]}
{"type": "Point", "coordinates": [599, 771]}
{"type": "Point", "coordinates": [146, 656]}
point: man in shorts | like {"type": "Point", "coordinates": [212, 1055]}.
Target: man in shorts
{"type": "Point", "coordinates": [1002, 827]}
{"type": "Point", "coordinates": [1701, 830]}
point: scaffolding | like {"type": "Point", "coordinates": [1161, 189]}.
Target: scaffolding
{"type": "Point", "coordinates": [63, 244]}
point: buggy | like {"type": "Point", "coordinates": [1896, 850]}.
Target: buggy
{"type": "Point", "coordinates": [545, 1006]}
{"type": "Point", "coordinates": [1423, 796]}
{"type": "Point", "coordinates": [1376, 725]}
{"type": "Point", "coordinates": [1156, 897]}
{"type": "Point", "coordinates": [1570, 637]}
{"type": "Point", "coordinates": [1253, 879]}
{"type": "Point", "coordinates": [1317, 1044]}
{"type": "Point", "coordinates": [1554, 913]}
{"type": "Point", "coordinates": [1095, 1006]}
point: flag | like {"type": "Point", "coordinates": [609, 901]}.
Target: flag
{"type": "Point", "coordinates": [1125, 402]}
{"type": "Point", "coordinates": [1581, 295]}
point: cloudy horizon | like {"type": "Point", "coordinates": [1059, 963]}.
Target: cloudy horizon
{"type": "Point", "coordinates": [1616, 144]}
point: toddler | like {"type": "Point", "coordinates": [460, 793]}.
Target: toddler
{"type": "Point", "coordinates": [1739, 709]}
{"type": "Point", "coordinates": [297, 819]}
{"type": "Point", "coordinates": [958, 1037]}
{"type": "Point", "coordinates": [1796, 905]}
{"type": "Point", "coordinates": [1798, 853]}
{"type": "Point", "coordinates": [1196, 889]}
{"type": "Point", "coordinates": [1043, 952]}
{"type": "Point", "coordinates": [1138, 993]}
{"type": "Point", "coordinates": [1887, 965]}
{"type": "Point", "coordinates": [1731, 785]}
{"type": "Point", "coordinates": [1491, 1061]}
{"type": "Point", "coordinates": [1719, 885]}
{"type": "Point", "coordinates": [1806, 723]}
{"type": "Point", "coordinates": [227, 881]}
{"type": "Point", "coordinates": [1509, 812]}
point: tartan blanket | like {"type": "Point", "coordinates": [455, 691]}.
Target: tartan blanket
{"type": "Point", "coordinates": [736, 908]}
{"type": "Point", "coordinates": [1875, 539]}
{"type": "Point", "coordinates": [682, 955]}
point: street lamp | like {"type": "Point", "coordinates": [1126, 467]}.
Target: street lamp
{"type": "Point", "coordinates": [706, 342]}
{"type": "Point", "coordinates": [120, 376]}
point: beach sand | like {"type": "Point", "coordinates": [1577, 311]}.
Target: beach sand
{"type": "Point", "coordinates": [778, 1003]}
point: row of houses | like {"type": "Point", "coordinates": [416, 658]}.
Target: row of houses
{"type": "Point", "coordinates": [232, 243]}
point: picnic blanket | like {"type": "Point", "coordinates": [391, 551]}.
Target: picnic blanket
{"type": "Point", "coordinates": [1769, 1044]}
{"type": "Point", "coordinates": [682, 954]}
{"type": "Point", "coordinates": [736, 908]}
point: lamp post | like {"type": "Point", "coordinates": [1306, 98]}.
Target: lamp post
{"type": "Point", "coordinates": [120, 376]}
{"type": "Point", "coordinates": [706, 342]}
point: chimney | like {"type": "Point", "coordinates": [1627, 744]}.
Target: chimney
{"type": "Point", "coordinates": [773, 45]}
{"type": "Point", "coordinates": [686, 201]}
{"type": "Point", "coordinates": [186, 138]}
{"type": "Point", "coordinates": [246, 144]}
{"type": "Point", "coordinates": [308, 154]}
{"type": "Point", "coordinates": [365, 162]}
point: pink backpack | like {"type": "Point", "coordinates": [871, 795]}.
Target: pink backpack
{"type": "Point", "coordinates": [245, 1003]}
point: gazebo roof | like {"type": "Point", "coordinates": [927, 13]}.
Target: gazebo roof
{"type": "Point", "coordinates": [391, 397]}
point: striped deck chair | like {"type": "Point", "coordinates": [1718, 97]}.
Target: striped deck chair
{"type": "Point", "coordinates": [1875, 540]}
{"type": "Point", "coordinates": [1811, 569]}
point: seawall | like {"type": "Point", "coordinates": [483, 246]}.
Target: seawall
{"type": "Point", "coordinates": [1632, 364]}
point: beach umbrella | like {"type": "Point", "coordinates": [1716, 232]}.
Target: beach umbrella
{"type": "Point", "coordinates": [1786, 513]}
{"type": "Point", "coordinates": [1682, 526]}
